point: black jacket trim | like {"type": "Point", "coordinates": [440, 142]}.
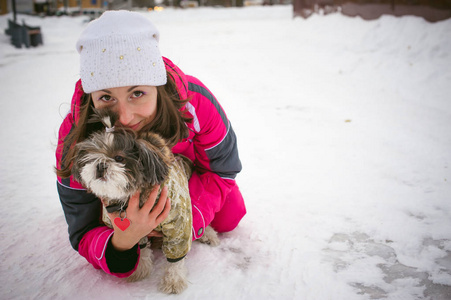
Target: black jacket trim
{"type": "Point", "coordinates": [121, 261]}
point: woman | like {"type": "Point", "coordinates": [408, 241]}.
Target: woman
{"type": "Point", "coordinates": [121, 68]}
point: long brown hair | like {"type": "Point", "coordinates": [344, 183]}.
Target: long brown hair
{"type": "Point", "coordinates": [169, 122]}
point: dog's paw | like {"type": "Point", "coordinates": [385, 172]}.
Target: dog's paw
{"type": "Point", "coordinates": [210, 237]}
{"type": "Point", "coordinates": [145, 266]}
{"type": "Point", "coordinates": [175, 278]}
{"type": "Point", "coordinates": [173, 286]}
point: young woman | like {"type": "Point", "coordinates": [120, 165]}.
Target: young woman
{"type": "Point", "coordinates": [121, 68]}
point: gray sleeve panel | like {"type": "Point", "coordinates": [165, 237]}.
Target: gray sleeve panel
{"type": "Point", "coordinates": [82, 211]}
{"type": "Point", "coordinates": [224, 158]}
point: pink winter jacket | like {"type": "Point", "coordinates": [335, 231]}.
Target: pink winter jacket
{"type": "Point", "coordinates": [211, 145]}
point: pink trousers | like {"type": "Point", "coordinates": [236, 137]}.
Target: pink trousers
{"type": "Point", "coordinates": [231, 213]}
{"type": "Point", "coordinates": [215, 201]}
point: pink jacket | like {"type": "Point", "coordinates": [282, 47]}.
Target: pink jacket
{"type": "Point", "coordinates": [211, 145]}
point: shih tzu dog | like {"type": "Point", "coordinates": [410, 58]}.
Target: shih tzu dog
{"type": "Point", "coordinates": [114, 163]}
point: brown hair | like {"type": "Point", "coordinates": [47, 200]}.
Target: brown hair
{"type": "Point", "coordinates": [169, 123]}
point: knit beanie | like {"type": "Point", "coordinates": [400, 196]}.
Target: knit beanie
{"type": "Point", "coordinates": [120, 49]}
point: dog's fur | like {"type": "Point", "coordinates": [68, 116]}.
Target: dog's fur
{"type": "Point", "coordinates": [115, 163]}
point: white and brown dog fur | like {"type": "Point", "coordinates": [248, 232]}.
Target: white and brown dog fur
{"type": "Point", "coordinates": [114, 163]}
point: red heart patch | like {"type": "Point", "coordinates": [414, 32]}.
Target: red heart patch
{"type": "Point", "coordinates": [122, 224]}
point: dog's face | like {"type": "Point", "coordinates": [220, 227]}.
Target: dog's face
{"type": "Point", "coordinates": [114, 165]}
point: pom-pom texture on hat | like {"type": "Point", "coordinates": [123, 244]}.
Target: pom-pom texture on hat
{"type": "Point", "coordinates": [120, 49]}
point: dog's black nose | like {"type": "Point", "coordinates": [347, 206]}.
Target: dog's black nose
{"type": "Point", "coordinates": [101, 169]}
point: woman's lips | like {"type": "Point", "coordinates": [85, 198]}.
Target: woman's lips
{"type": "Point", "coordinates": [135, 127]}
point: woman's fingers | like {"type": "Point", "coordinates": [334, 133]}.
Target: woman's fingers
{"type": "Point", "coordinates": [161, 210]}
{"type": "Point", "coordinates": [151, 200]}
{"type": "Point", "coordinates": [161, 202]}
{"type": "Point", "coordinates": [148, 213]}
{"type": "Point", "coordinates": [142, 220]}
{"type": "Point", "coordinates": [161, 217]}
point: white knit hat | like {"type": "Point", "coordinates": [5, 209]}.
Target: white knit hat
{"type": "Point", "coordinates": [120, 49]}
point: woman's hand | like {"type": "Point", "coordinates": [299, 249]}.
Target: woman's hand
{"type": "Point", "coordinates": [142, 220]}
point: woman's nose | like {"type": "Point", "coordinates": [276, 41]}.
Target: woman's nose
{"type": "Point", "coordinates": [125, 114]}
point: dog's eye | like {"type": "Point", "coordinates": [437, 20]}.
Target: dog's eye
{"type": "Point", "coordinates": [119, 158]}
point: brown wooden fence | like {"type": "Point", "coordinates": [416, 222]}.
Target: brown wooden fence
{"type": "Point", "coordinates": [431, 10]}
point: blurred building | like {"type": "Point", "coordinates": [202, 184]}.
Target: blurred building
{"type": "Point", "coordinates": [431, 10]}
{"type": "Point", "coordinates": [3, 7]}
{"type": "Point", "coordinates": [22, 6]}
{"type": "Point", "coordinates": [95, 7]}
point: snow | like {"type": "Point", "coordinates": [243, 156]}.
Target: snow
{"type": "Point", "coordinates": [344, 135]}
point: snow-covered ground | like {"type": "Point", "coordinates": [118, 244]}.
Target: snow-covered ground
{"type": "Point", "coordinates": [344, 131]}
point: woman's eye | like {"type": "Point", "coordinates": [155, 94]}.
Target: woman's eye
{"type": "Point", "coordinates": [106, 98]}
{"type": "Point", "coordinates": [137, 94]}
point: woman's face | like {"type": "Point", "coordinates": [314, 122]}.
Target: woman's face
{"type": "Point", "coordinates": [136, 105]}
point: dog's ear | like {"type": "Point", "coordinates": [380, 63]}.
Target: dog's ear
{"type": "Point", "coordinates": [155, 164]}
{"type": "Point", "coordinates": [76, 166]}
{"type": "Point", "coordinates": [159, 143]}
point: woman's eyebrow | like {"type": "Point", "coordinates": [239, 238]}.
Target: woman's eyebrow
{"type": "Point", "coordinates": [106, 91]}
{"type": "Point", "coordinates": [133, 87]}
